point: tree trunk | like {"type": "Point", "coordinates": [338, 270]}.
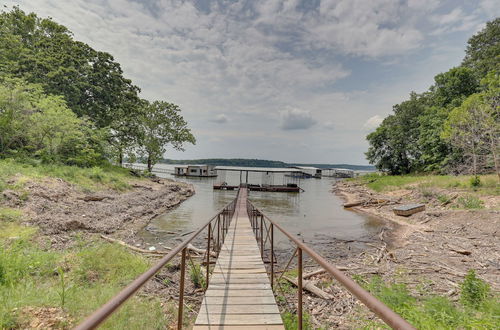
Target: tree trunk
{"type": "Point", "coordinates": [120, 158]}
{"type": "Point", "coordinates": [150, 164]}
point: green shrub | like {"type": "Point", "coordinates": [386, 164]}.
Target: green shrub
{"type": "Point", "coordinates": [444, 199]}
{"type": "Point", "coordinates": [474, 291]}
{"type": "Point", "coordinates": [475, 181]}
{"type": "Point", "coordinates": [196, 276]}
{"type": "Point", "coordinates": [290, 321]}
{"type": "Point", "coordinates": [470, 202]}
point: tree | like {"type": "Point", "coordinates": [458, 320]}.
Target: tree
{"type": "Point", "coordinates": [15, 106]}
{"type": "Point", "coordinates": [483, 50]}
{"type": "Point", "coordinates": [475, 129]}
{"type": "Point", "coordinates": [394, 145]}
{"type": "Point", "coordinates": [43, 51]}
{"type": "Point", "coordinates": [452, 87]}
{"type": "Point", "coordinates": [43, 126]}
{"type": "Point", "coordinates": [161, 124]}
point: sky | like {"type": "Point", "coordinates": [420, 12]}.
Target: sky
{"type": "Point", "coordinates": [297, 80]}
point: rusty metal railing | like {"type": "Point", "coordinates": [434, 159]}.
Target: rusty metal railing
{"type": "Point", "coordinates": [264, 231]}
{"type": "Point", "coordinates": [216, 227]}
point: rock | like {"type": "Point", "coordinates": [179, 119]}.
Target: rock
{"type": "Point", "coordinates": [152, 248]}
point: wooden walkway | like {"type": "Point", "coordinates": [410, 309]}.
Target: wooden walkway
{"type": "Point", "coordinates": [239, 294]}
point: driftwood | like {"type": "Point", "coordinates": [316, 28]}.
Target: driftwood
{"type": "Point", "coordinates": [133, 248]}
{"type": "Point", "coordinates": [190, 247]}
{"type": "Point", "coordinates": [96, 198]}
{"type": "Point", "coordinates": [194, 249]}
{"type": "Point", "coordinates": [321, 271]}
{"type": "Point", "coordinates": [459, 250]}
{"type": "Point", "coordinates": [353, 204]}
{"type": "Point", "coordinates": [309, 286]}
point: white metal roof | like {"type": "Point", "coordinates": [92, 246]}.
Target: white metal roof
{"type": "Point", "coordinates": [257, 169]}
{"type": "Point", "coordinates": [306, 167]}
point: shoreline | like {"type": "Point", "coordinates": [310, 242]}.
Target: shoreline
{"type": "Point", "coordinates": [61, 210]}
{"type": "Point", "coordinates": [439, 243]}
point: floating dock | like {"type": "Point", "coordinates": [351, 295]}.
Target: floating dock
{"type": "Point", "coordinates": [274, 188]}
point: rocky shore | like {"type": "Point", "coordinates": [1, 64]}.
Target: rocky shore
{"type": "Point", "coordinates": [437, 246]}
{"type": "Point", "coordinates": [60, 209]}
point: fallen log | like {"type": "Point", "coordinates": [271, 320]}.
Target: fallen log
{"type": "Point", "coordinates": [352, 204]}
{"type": "Point", "coordinates": [321, 271]}
{"type": "Point", "coordinates": [95, 198]}
{"type": "Point", "coordinates": [309, 286]}
{"type": "Point", "coordinates": [133, 248]}
{"type": "Point", "coordinates": [194, 249]}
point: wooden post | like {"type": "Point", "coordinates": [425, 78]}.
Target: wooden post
{"type": "Point", "coordinates": [181, 290]}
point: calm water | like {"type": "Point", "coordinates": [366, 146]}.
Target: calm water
{"type": "Point", "coordinates": [316, 214]}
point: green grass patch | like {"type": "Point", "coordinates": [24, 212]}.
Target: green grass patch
{"type": "Point", "coordinates": [484, 184]}
{"type": "Point", "coordinates": [470, 202]}
{"type": "Point", "coordinates": [78, 280]}
{"type": "Point", "coordinates": [90, 179]}
{"type": "Point", "coordinates": [290, 321]}
{"type": "Point", "coordinates": [8, 214]}
{"type": "Point", "coordinates": [478, 309]}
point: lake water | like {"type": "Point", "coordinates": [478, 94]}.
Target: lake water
{"type": "Point", "coordinates": [315, 214]}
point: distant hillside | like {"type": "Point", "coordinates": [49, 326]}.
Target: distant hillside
{"type": "Point", "coordinates": [260, 163]}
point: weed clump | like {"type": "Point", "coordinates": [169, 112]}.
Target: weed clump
{"type": "Point", "coordinates": [470, 202]}
{"type": "Point", "coordinates": [474, 291]}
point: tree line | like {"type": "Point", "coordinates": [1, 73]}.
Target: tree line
{"type": "Point", "coordinates": [62, 101]}
{"type": "Point", "coordinates": [454, 127]}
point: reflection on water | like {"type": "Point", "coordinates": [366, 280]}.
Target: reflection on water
{"type": "Point", "coordinates": [315, 214]}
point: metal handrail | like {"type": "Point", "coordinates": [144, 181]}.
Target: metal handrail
{"type": "Point", "coordinates": [391, 318]}
{"type": "Point", "coordinates": [226, 213]}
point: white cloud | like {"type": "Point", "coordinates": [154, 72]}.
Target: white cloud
{"type": "Point", "coordinates": [250, 59]}
{"type": "Point", "coordinates": [220, 119]}
{"type": "Point", "coordinates": [329, 125]}
{"type": "Point", "coordinates": [373, 122]}
{"type": "Point", "coordinates": [292, 119]}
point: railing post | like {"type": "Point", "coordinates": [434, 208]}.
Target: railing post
{"type": "Point", "coordinates": [261, 236]}
{"type": "Point", "coordinates": [218, 234]}
{"type": "Point", "coordinates": [299, 286]}
{"type": "Point", "coordinates": [181, 290]}
{"type": "Point", "coordinates": [208, 253]}
{"type": "Point", "coordinates": [272, 256]}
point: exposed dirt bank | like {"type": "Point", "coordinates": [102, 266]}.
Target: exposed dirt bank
{"type": "Point", "coordinates": [59, 208]}
{"type": "Point", "coordinates": [438, 245]}
{"type": "Point", "coordinates": [430, 252]}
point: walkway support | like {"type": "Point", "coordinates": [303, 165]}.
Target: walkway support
{"type": "Point", "coordinates": [239, 294]}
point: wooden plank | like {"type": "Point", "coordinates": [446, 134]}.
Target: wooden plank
{"type": "Point", "coordinates": [239, 309]}
{"type": "Point", "coordinates": [239, 327]}
{"type": "Point", "coordinates": [240, 271]}
{"type": "Point", "coordinates": [239, 293]}
{"type": "Point", "coordinates": [240, 286]}
{"type": "Point", "coordinates": [238, 319]}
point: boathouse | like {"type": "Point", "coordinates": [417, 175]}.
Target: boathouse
{"type": "Point", "coordinates": [310, 171]}
{"type": "Point", "coordinates": [196, 171]}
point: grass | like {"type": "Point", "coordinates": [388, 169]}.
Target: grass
{"type": "Point", "coordinates": [488, 184]}
{"type": "Point", "coordinates": [88, 179]}
{"type": "Point", "coordinates": [470, 202]}
{"type": "Point", "coordinates": [77, 280]}
{"type": "Point", "coordinates": [478, 308]}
